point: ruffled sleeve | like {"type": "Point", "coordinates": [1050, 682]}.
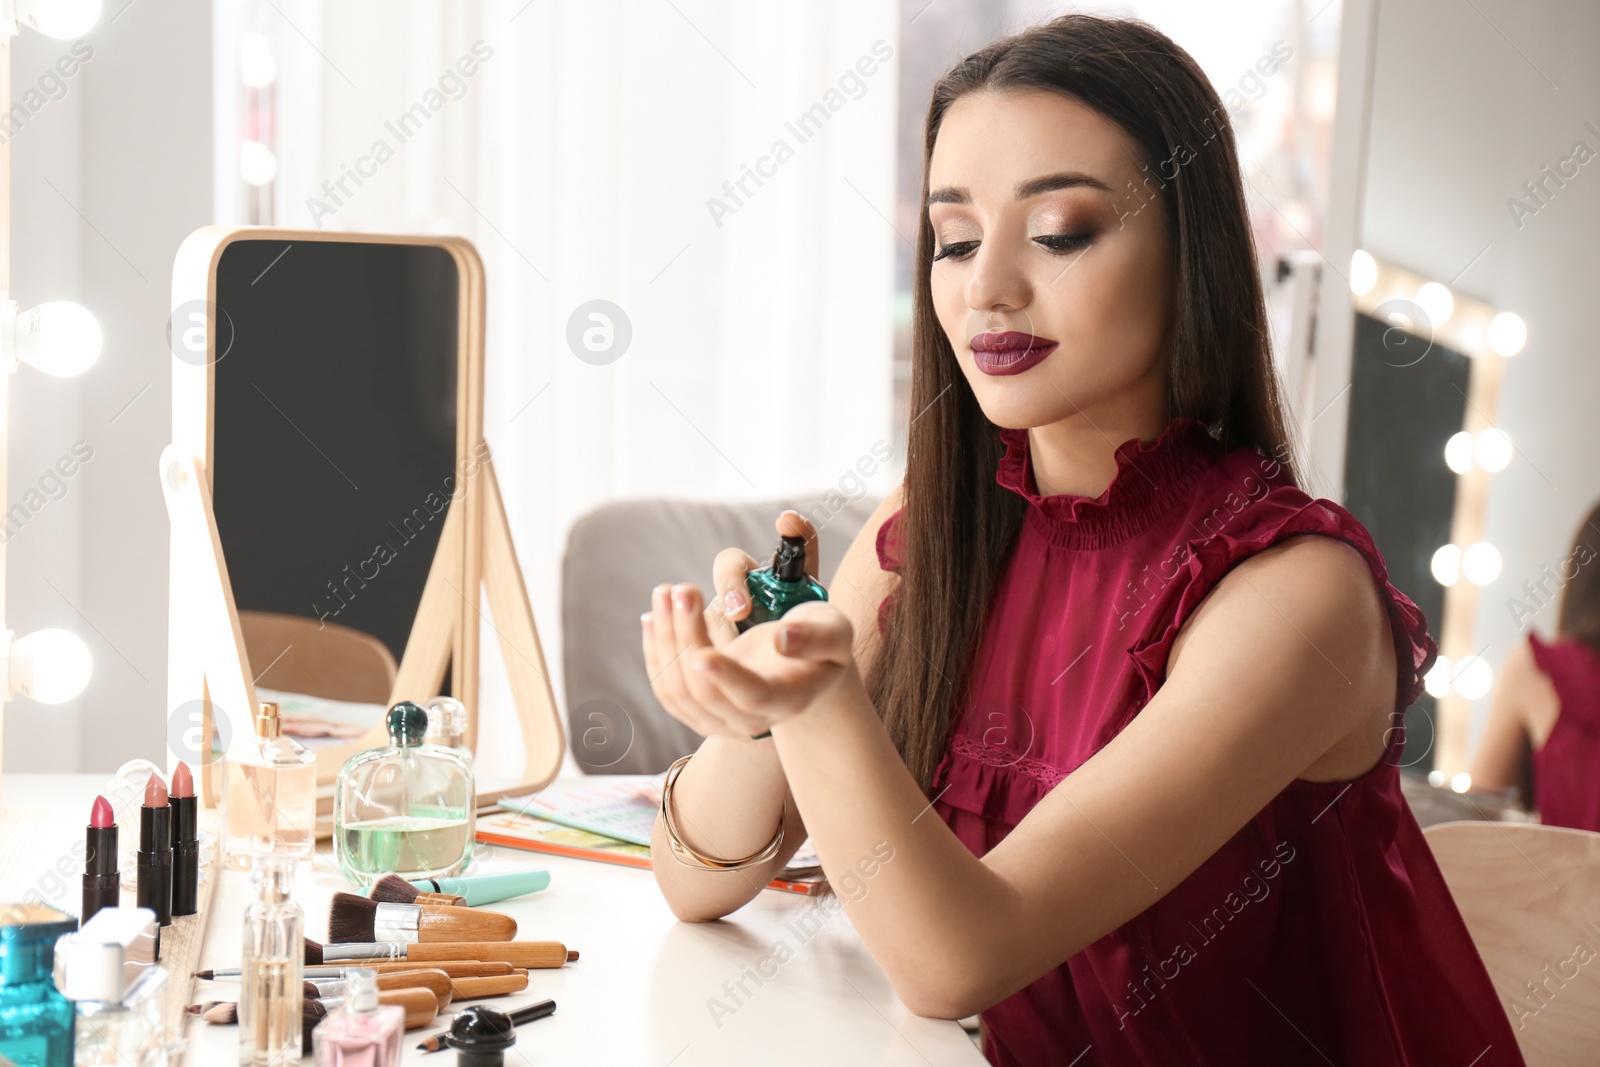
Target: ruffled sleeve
{"type": "Point", "coordinates": [888, 544]}
{"type": "Point", "coordinates": [1283, 513]}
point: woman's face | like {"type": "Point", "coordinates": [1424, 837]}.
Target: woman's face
{"type": "Point", "coordinates": [1053, 271]}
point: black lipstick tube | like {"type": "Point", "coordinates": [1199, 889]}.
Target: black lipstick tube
{"type": "Point", "coordinates": [154, 869]}
{"type": "Point", "coordinates": [185, 856]}
{"type": "Point", "coordinates": [102, 882]}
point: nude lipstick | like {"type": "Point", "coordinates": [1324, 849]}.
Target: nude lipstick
{"type": "Point", "coordinates": [1009, 352]}
{"type": "Point", "coordinates": [154, 867]}
{"type": "Point", "coordinates": [102, 882]}
{"type": "Point", "coordinates": [185, 843]}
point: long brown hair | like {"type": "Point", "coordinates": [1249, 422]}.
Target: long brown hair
{"type": "Point", "coordinates": [958, 526]}
{"type": "Point", "coordinates": [1580, 599]}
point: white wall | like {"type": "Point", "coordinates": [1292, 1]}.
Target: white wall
{"type": "Point", "coordinates": [1469, 102]}
{"type": "Point", "coordinates": [129, 149]}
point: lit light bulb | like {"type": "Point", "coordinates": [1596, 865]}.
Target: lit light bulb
{"type": "Point", "coordinates": [1436, 301]}
{"type": "Point", "coordinates": [61, 19]}
{"type": "Point", "coordinates": [1507, 333]}
{"type": "Point", "coordinates": [257, 67]}
{"type": "Point", "coordinates": [1492, 449]}
{"type": "Point", "coordinates": [1446, 564]}
{"type": "Point", "coordinates": [50, 666]}
{"type": "Point", "coordinates": [1437, 680]}
{"type": "Point", "coordinates": [1363, 272]}
{"type": "Point", "coordinates": [257, 164]}
{"type": "Point", "coordinates": [1458, 452]}
{"type": "Point", "coordinates": [59, 337]}
{"type": "Point", "coordinates": [1436, 778]}
{"type": "Point", "coordinates": [1481, 563]}
{"type": "Point", "coordinates": [1461, 782]}
{"type": "Point", "coordinates": [1473, 677]}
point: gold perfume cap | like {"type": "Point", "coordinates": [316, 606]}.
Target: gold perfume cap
{"type": "Point", "coordinates": [268, 724]}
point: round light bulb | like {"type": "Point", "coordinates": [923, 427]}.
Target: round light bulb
{"type": "Point", "coordinates": [50, 666]}
{"type": "Point", "coordinates": [61, 19]}
{"type": "Point", "coordinates": [1507, 333]}
{"type": "Point", "coordinates": [1458, 452]}
{"type": "Point", "coordinates": [1492, 449]}
{"type": "Point", "coordinates": [1436, 301]}
{"type": "Point", "coordinates": [1363, 272]}
{"type": "Point", "coordinates": [59, 338]}
{"type": "Point", "coordinates": [1461, 782]}
{"type": "Point", "coordinates": [1481, 563]}
{"type": "Point", "coordinates": [1473, 677]}
{"type": "Point", "coordinates": [1437, 680]}
{"type": "Point", "coordinates": [1436, 778]}
{"type": "Point", "coordinates": [1446, 564]}
{"type": "Point", "coordinates": [257, 66]}
{"type": "Point", "coordinates": [257, 164]}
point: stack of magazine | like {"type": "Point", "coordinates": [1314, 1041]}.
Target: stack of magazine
{"type": "Point", "coordinates": [608, 819]}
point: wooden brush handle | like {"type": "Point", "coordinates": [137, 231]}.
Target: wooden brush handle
{"type": "Point", "coordinates": [516, 953]}
{"type": "Point", "coordinates": [435, 900]}
{"type": "Point", "coordinates": [464, 925]}
{"type": "Point", "coordinates": [431, 979]}
{"type": "Point", "coordinates": [451, 967]}
{"type": "Point", "coordinates": [420, 1004]}
{"type": "Point", "coordinates": [470, 988]}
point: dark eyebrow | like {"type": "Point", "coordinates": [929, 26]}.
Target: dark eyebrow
{"type": "Point", "coordinates": [1032, 187]}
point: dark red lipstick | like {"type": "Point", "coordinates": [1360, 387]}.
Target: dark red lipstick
{"type": "Point", "coordinates": [1009, 352]}
{"type": "Point", "coordinates": [154, 868]}
{"type": "Point", "coordinates": [102, 882]}
{"type": "Point", "coordinates": [185, 842]}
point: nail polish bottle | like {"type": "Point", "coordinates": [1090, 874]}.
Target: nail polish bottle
{"type": "Point", "coordinates": [271, 985]}
{"type": "Point", "coordinates": [36, 1021]}
{"type": "Point", "coordinates": [781, 584]}
{"type": "Point", "coordinates": [363, 1033]}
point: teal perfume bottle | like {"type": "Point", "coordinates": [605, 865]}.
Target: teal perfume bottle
{"type": "Point", "coordinates": [36, 1021]}
{"type": "Point", "coordinates": [780, 585]}
{"type": "Point", "coordinates": [408, 808]}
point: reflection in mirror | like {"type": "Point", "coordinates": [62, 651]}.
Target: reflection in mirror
{"type": "Point", "coordinates": [332, 470]}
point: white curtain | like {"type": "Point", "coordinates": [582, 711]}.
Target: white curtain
{"type": "Point", "coordinates": [595, 152]}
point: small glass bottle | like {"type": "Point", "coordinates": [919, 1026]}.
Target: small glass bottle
{"type": "Point", "coordinates": [407, 808]}
{"type": "Point", "coordinates": [272, 794]}
{"type": "Point", "coordinates": [363, 1033]}
{"type": "Point", "coordinates": [107, 970]}
{"type": "Point", "coordinates": [447, 725]}
{"type": "Point", "coordinates": [36, 1021]}
{"type": "Point", "coordinates": [781, 584]}
{"type": "Point", "coordinates": [273, 954]}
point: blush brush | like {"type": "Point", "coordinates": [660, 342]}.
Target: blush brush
{"type": "Point", "coordinates": [356, 919]}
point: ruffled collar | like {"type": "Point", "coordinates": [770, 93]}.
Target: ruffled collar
{"type": "Point", "coordinates": [1148, 480]}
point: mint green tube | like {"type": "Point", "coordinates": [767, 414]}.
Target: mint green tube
{"type": "Point", "coordinates": [487, 888]}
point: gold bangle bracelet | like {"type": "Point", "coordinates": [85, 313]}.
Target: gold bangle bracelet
{"type": "Point", "coordinates": [688, 857]}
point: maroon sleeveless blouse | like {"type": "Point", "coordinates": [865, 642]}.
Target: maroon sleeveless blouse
{"type": "Point", "coordinates": [1322, 932]}
{"type": "Point", "coordinates": [1566, 768]}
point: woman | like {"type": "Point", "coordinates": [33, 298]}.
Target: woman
{"type": "Point", "coordinates": [1545, 719]}
{"type": "Point", "coordinates": [1102, 744]}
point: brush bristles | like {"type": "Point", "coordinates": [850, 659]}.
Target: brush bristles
{"type": "Point", "coordinates": [313, 952]}
{"type": "Point", "coordinates": [393, 889]}
{"type": "Point", "coordinates": [351, 919]}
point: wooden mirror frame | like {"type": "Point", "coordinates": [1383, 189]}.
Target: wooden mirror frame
{"type": "Point", "coordinates": [207, 663]}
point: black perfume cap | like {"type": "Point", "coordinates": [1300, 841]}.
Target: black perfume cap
{"type": "Point", "coordinates": [480, 1035]}
{"type": "Point", "coordinates": [407, 724]}
{"type": "Point", "coordinates": [789, 559]}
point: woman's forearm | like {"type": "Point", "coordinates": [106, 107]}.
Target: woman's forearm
{"type": "Point", "coordinates": [726, 804]}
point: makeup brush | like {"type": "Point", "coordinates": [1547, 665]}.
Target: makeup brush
{"type": "Point", "coordinates": [453, 968]}
{"type": "Point", "coordinates": [226, 1013]}
{"type": "Point", "coordinates": [421, 1007]}
{"type": "Point", "coordinates": [516, 953]}
{"type": "Point", "coordinates": [357, 919]}
{"type": "Point", "coordinates": [518, 1017]}
{"type": "Point", "coordinates": [393, 889]}
{"type": "Point", "coordinates": [435, 980]}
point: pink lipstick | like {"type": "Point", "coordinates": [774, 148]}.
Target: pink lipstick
{"type": "Point", "coordinates": [185, 842]}
{"type": "Point", "coordinates": [102, 882]}
{"type": "Point", "coordinates": [154, 868]}
{"type": "Point", "coordinates": [1009, 352]}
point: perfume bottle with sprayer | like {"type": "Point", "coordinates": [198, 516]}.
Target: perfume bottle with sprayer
{"type": "Point", "coordinates": [781, 584]}
{"type": "Point", "coordinates": [272, 794]}
{"type": "Point", "coordinates": [363, 1033]}
{"type": "Point", "coordinates": [270, 985]}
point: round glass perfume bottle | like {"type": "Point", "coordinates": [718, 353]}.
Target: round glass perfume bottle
{"type": "Point", "coordinates": [780, 585]}
{"type": "Point", "coordinates": [407, 808]}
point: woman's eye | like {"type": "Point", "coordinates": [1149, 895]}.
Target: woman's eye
{"type": "Point", "coordinates": [1065, 242]}
{"type": "Point", "coordinates": [957, 250]}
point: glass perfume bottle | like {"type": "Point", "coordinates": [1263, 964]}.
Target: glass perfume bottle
{"type": "Point", "coordinates": [273, 953]}
{"type": "Point", "coordinates": [105, 970]}
{"type": "Point", "coordinates": [781, 584]}
{"type": "Point", "coordinates": [407, 808]}
{"type": "Point", "coordinates": [447, 725]}
{"type": "Point", "coordinates": [36, 1021]}
{"type": "Point", "coordinates": [272, 794]}
{"type": "Point", "coordinates": [363, 1033]}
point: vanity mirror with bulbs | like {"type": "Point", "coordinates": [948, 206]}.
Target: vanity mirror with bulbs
{"type": "Point", "coordinates": [336, 522]}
